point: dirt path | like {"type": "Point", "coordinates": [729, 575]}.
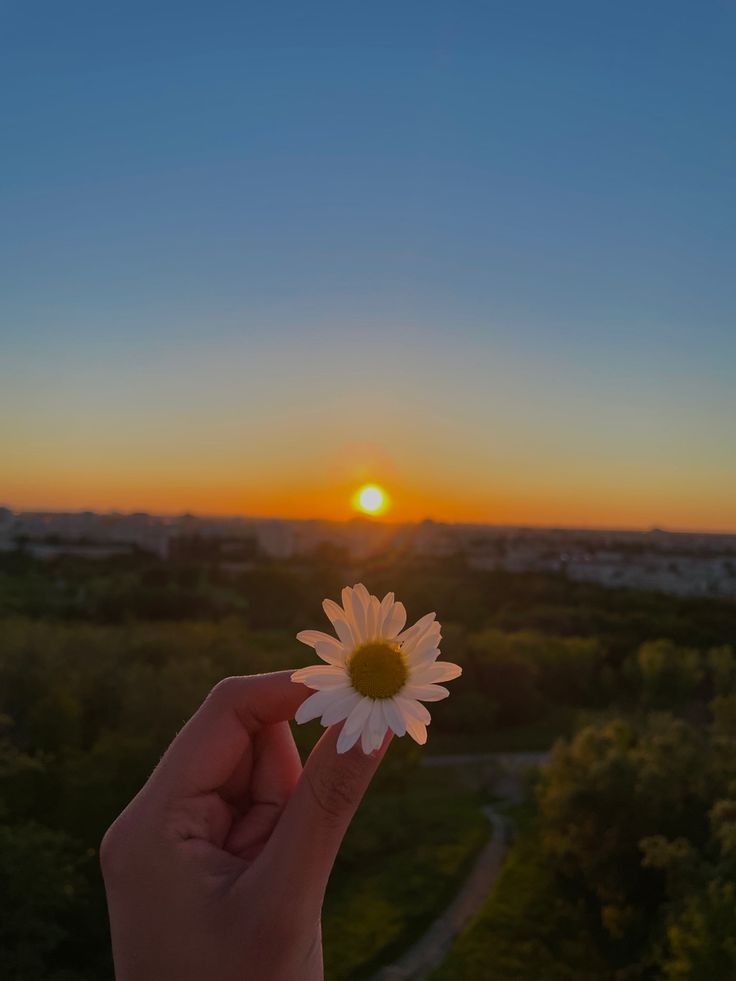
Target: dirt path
{"type": "Point", "coordinates": [421, 959]}
{"type": "Point", "coordinates": [425, 956]}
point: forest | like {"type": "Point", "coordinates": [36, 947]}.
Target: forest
{"type": "Point", "coordinates": [623, 863]}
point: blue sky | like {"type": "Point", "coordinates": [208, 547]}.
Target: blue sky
{"type": "Point", "coordinates": [496, 234]}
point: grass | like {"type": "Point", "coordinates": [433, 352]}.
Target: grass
{"type": "Point", "coordinates": [402, 861]}
{"type": "Point", "coordinates": [524, 931]}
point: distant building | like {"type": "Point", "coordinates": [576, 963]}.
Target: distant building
{"type": "Point", "coordinates": [681, 564]}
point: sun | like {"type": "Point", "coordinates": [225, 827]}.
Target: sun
{"type": "Point", "coordinates": [370, 499]}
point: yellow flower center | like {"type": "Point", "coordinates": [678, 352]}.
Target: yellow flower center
{"type": "Point", "coordinates": [377, 669]}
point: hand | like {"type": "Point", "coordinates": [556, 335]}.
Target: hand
{"type": "Point", "coordinates": [217, 869]}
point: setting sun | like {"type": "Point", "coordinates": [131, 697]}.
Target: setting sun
{"type": "Point", "coordinates": [371, 499]}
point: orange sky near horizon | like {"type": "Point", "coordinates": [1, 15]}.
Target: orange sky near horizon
{"type": "Point", "coordinates": [409, 501]}
{"type": "Point", "coordinates": [504, 437]}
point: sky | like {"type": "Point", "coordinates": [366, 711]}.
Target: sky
{"type": "Point", "coordinates": [479, 253]}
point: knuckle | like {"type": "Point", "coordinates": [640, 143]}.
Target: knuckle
{"type": "Point", "coordinates": [336, 791]}
{"type": "Point", "coordinates": [225, 691]}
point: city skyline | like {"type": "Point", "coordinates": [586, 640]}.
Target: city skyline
{"type": "Point", "coordinates": [480, 256]}
{"type": "Point", "coordinates": [684, 564]}
{"type": "Point", "coordinates": [355, 516]}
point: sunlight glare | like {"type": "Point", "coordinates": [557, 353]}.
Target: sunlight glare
{"type": "Point", "coordinates": [371, 499]}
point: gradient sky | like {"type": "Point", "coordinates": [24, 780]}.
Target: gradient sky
{"type": "Point", "coordinates": [482, 253]}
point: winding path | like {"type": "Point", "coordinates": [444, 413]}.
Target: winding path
{"type": "Point", "coordinates": [426, 954]}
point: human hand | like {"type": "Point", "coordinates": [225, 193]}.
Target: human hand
{"type": "Point", "coordinates": [217, 868]}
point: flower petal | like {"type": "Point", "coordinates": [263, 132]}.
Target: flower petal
{"type": "Point", "coordinates": [434, 672]}
{"type": "Point", "coordinates": [374, 728]}
{"type": "Point", "coordinates": [313, 707]}
{"type": "Point", "coordinates": [394, 716]}
{"type": "Point", "coordinates": [395, 621]}
{"type": "Point", "coordinates": [343, 631]}
{"type": "Point", "coordinates": [387, 605]}
{"type": "Point", "coordinates": [341, 707]}
{"type": "Point", "coordinates": [373, 618]}
{"type": "Point", "coordinates": [377, 723]}
{"type": "Point", "coordinates": [428, 636]}
{"type": "Point", "coordinates": [412, 709]}
{"type": "Point", "coordinates": [417, 629]}
{"type": "Point", "coordinates": [355, 609]}
{"type": "Point", "coordinates": [362, 593]}
{"type": "Point", "coordinates": [366, 739]}
{"type": "Point", "coordinates": [332, 652]}
{"type": "Point", "coordinates": [417, 730]}
{"type": "Point", "coordinates": [333, 610]}
{"type": "Point", "coordinates": [321, 676]}
{"type": "Point", "coordinates": [346, 740]}
{"type": "Point", "coordinates": [358, 717]}
{"type": "Point", "coordinates": [313, 637]}
{"type": "Point", "coordinates": [417, 661]}
{"type": "Point", "coordinates": [425, 693]}
{"type": "Point", "coordinates": [419, 643]}
{"type": "Point", "coordinates": [328, 648]}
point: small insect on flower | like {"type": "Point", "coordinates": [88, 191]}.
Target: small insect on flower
{"type": "Point", "coordinates": [376, 674]}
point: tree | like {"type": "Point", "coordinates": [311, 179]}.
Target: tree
{"type": "Point", "coordinates": [41, 881]}
{"type": "Point", "coordinates": [669, 675]}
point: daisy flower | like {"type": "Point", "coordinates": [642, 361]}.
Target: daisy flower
{"type": "Point", "coordinates": [376, 673]}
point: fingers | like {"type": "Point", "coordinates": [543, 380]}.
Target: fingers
{"type": "Point", "coordinates": [270, 768]}
{"type": "Point", "coordinates": [303, 846]}
{"type": "Point", "coordinates": [275, 771]}
{"type": "Point", "coordinates": [277, 766]}
{"type": "Point", "coordinates": [218, 739]}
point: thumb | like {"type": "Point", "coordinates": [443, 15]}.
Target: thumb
{"type": "Point", "coordinates": [304, 844]}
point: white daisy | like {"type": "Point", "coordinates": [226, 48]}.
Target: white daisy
{"type": "Point", "coordinates": [376, 676]}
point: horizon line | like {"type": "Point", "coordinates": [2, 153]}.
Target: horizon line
{"type": "Point", "coordinates": [368, 519]}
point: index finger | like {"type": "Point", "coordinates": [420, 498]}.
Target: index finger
{"type": "Point", "coordinates": [212, 743]}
